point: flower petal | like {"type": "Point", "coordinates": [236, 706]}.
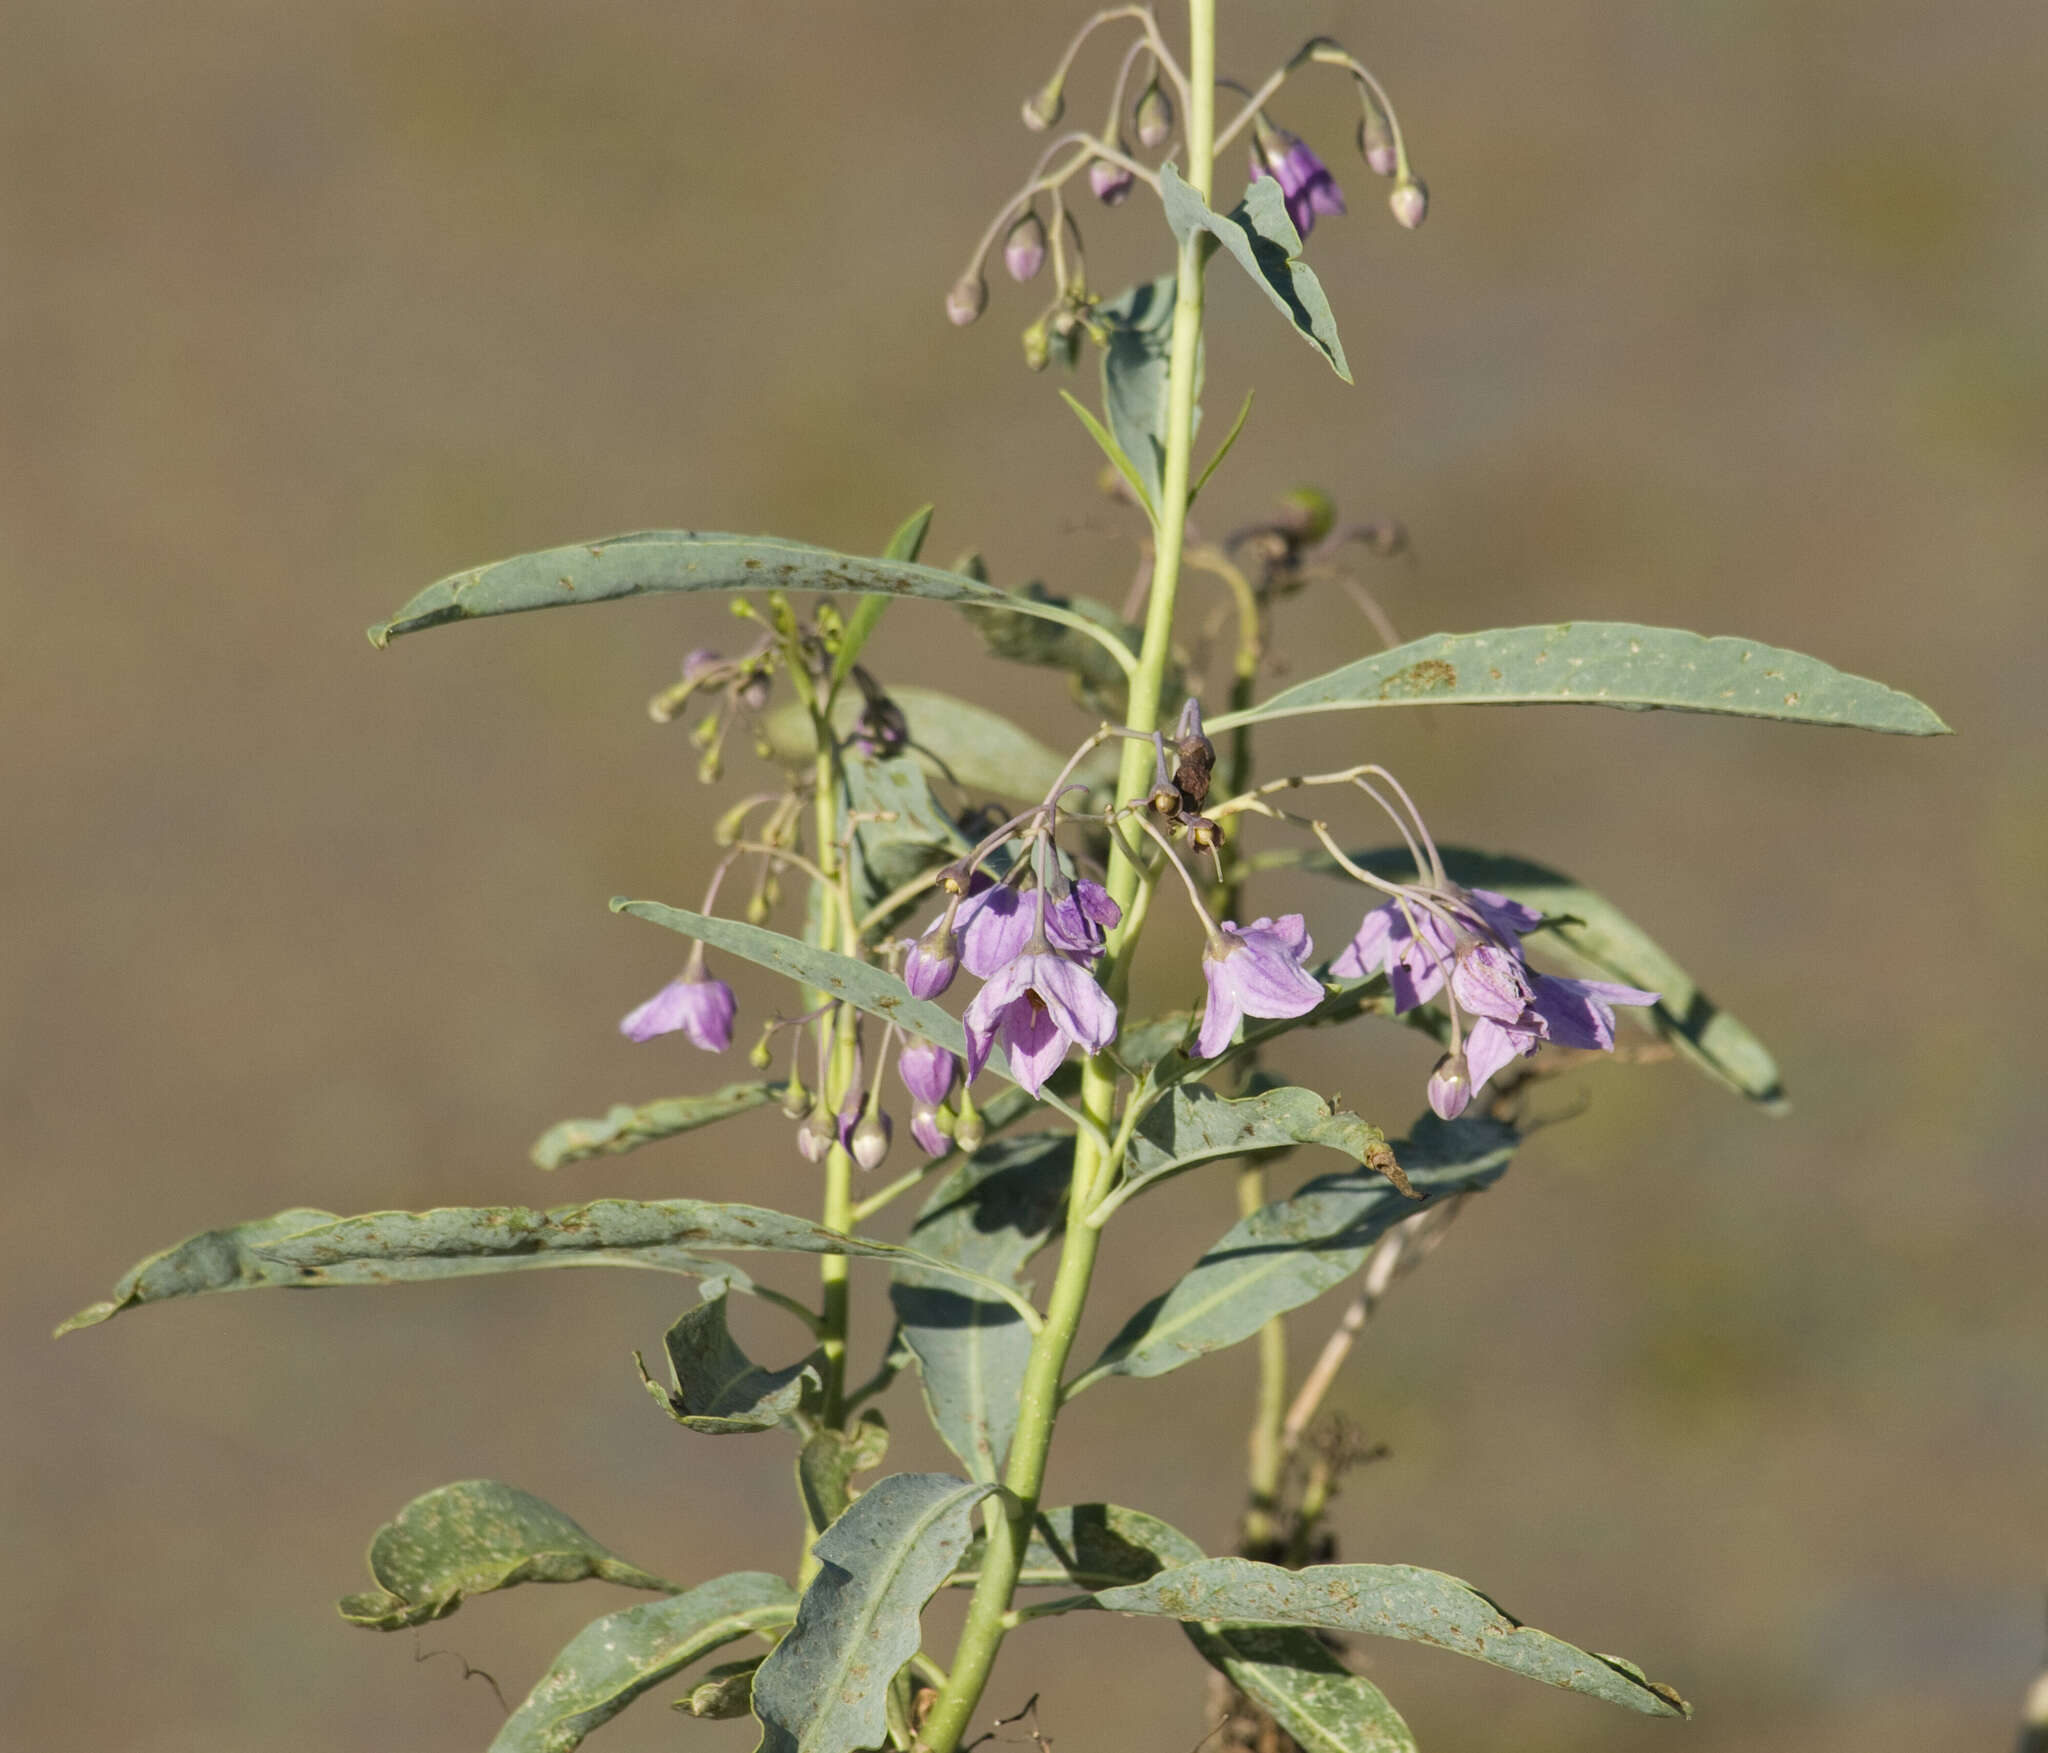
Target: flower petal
{"type": "Point", "coordinates": [1491, 1045]}
{"type": "Point", "coordinates": [1034, 1041]}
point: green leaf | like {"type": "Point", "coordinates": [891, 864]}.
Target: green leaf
{"type": "Point", "coordinates": [613, 1660]}
{"type": "Point", "coordinates": [470, 1538]}
{"type": "Point", "coordinates": [307, 1250]}
{"type": "Point", "coordinates": [826, 971]}
{"type": "Point", "coordinates": [966, 745]}
{"type": "Point", "coordinates": [1262, 238]}
{"type": "Point", "coordinates": [1291, 1251]}
{"type": "Point", "coordinates": [829, 1459]}
{"type": "Point", "coordinates": [648, 562]}
{"type": "Point", "coordinates": [628, 1128]}
{"type": "Point", "coordinates": [719, 1389]}
{"type": "Point", "coordinates": [996, 1210]}
{"type": "Point", "coordinates": [1293, 1676]}
{"type": "Point", "coordinates": [1097, 682]}
{"type": "Point", "coordinates": [1594, 939]}
{"type": "Point", "coordinates": [1388, 1600]}
{"type": "Point", "coordinates": [1106, 442]}
{"type": "Point", "coordinates": [824, 1689]}
{"type": "Point", "coordinates": [1194, 1124]}
{"type": "Point", "coordinates": [1290, 1673]}
{"type": "Point", "coordinates": [913, 835]}
{"type": "Point", "coordinates": [1135, 372]}
{"type": "Point", "coordinates": [725, 1691]}
{"type": "Point", "coordinates": [1602, 663]}
{"type": "Point", "coordinates": [906, 544]}
{"type": "Point", "coordinates": [1244, 413]}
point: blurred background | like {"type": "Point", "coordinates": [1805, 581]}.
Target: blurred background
{"type": "Point", "coordinates": [1728, 315]}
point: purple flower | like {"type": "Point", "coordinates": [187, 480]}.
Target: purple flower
{"type": "Point", "coordinates": [933, 960]}
{"type": "Point", "coordinates": [928, 1072]}
{"type": "Point", "coordinates": [1255, 970]}
{"type": "Point", "coordinates": [1568, 1013]}
{"type": "Point", "coordinates": [994, 924]}
{"type": "Point", "coordinates": [1037, 1005]}
{"type": "Point", "coordinates": [701, 1007]}
{"type": "Point", "coordinates": [1416, 966]}
{"type": "Point", "coordinates": [1305, 180]}
{"type": "Point", "coordinates": [1076, 924]}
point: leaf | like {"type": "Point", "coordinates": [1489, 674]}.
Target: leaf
{"type": "Point", "coordinates": [913, 835]}
{"type": "Point", "coordinates": [1594, 939]}
{"type": "Point", "coordinates": [725, 1691]}
{"type": "Point", "coordinates": [1107, 444]}
{"type": "Point", "coordinates": [1263, 239]}
{"type": "Point", "coordinates": [824, 1689]}
{"type": "Point", "coordinates": [627, 1128]}
{"type": "Point", "coordinates": [1244, 413]}
{"type": "Point", "coordinates": [1291, 1251]}
{"type": "Point", "coordinates": [1097, 682]}
{"type": "Point", "coordinates": [1388, 1600]}
{"type": "Point", "coordinates": [968, 746]}
{"type": "Point", "coordinates": [1194, 1124]}
{"type": "Point", "coordinates": [648, 562]}
{"type": "Point", "coordinates": [1602, 663]}
{"type": "Point", "coordinates": [991, 1214]}
{"type": "Point", "coordinates": [305, 1250]}
{"type": "Point", "coordinates": [1135, 373]}
{"type": "Point", "coordinates": [1290, 1673]}
{"type": "Point", "coordinates": [826, 971]}
{"type": "Point", "coordinates": [829, 1459]}
{"type": "Point", "coordinates": [906, 544]}
{"type": "Point", "coordinates": [719, 1389]}
{"type": "Point", "coordinates": [613, 1660]}
{"type": "Point", "coordinates": [1295, 1678]}
{"type": "Point", "coordinates": [469, 1539]}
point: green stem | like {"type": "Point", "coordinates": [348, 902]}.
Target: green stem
{"type": "Point", "coordinates": [1265, 1455]}
{"type": "Point", "coordinates": [1010, 1515]}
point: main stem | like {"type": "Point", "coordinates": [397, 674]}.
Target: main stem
{"type": "Point", "coordinates": [1010, 1514]}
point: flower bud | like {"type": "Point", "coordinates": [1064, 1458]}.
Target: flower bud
{"type": "Point", "coordinates": [870, 1141]}
{"type": "Point", "coordinates": [969, 1129]}
{"type": "Point", "coordinates": [757, 914]}
{"type": "Point", "coordinates": [1037, 346]}
{"type": "Point", "coordinates": [795, 1098]}
{"type": "Point", "coordinates": [1024, 248]}
{"type": "Point", "coordinates": [933, 961]}
{"type": "Point", "coordinates": [1044, 107]}
{"type": "Point", "coordinates": [816, 1136]}
{"type": "Point", "coordinates": [1153, 117]}
{"type": "Point", "coordinates": [968, 299]}
{"type": "Point", "coordinates": [1111, 182]}
{"type": "Point", "coordinates": [1450, 1086]}
{"type": "Point", "coordinates": [760, 1056]}
{"type": "Point", "coordinates": [753, 692]}
{"type": "Point", "coordinates": [1376, 139]}
{"type": "Point", "coordinates": [1410, 202]}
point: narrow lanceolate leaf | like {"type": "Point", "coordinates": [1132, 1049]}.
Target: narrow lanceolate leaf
{"type": "Point", "coordinates": [1193, 1124]}
{"type": "Point", "coordinates": [719, 1389]}
{"type": "Point", "coordinates": [828, 1461]}
{"type": "Point", "coordinates": [906, 544]}
{"type": "Point", "coordinates": [1388, 1600]}
{"type": "Point", "coordinates": [1291, 1251]}
{"type": "Point", "coordinates": [1290, 1673]}
{"type": "Point", "coordinates": [825, 1688]}
{"type": "Point", "coordinates": [993, 1212]}
{"type": "Point", "coordinates": [1096, 678]}
{"type": "Point", "coordinates": [306, 1250]}
{"type": "Point", "coordinates": [612, 1660]}
{"type": "Point", "coordinates": [866, 988]}
{"type": "Point", "coordinates": [470, 1538]}
{"type": "Point", "coordinates": [627, 1128]}
{"type": "Point", "coordinates": [1603, 663]}
{"type": "Point", "coordinates": [1258, 233]}
{"type": "Point", "coordinates": [1591, 937]}
{"type": "Point", "coordinates": [1134, 376]}
{"type": "Point", "coordinates": [966, 745]}
{"type": "Point", "coordinates": [653, 562]}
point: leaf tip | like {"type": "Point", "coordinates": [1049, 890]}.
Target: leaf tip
{"type": "Point", "coordinates": [619, 903]}
{"type": "Point", "coordinates": [91, 1316]}
{"type": "Point", "coordinates": [380, 635]}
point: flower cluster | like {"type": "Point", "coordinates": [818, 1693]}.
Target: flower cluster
{"type": "Point", "coordinates": [1470, 940]}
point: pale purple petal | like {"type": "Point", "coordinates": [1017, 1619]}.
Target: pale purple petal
{"type": "Point", "coordinates": [1489, 981]}
{"type": "Point", "coordinates": [1220, 1015]}
{"type": "Point", "coordinates": [1292, 930]}
{"type": "Point", "coordinates": [1366, 954]}
{"type": "Point", "coordinates": [702, 1009]}
{"type": "Point", "coordinates": [660, 1015]}
{"type": "Point", "coordinates": [993, 927]}
{"type": "Point", "coordinates": [1035, 1043]}
{"type": "Point", "coordinates": [1576, 1012]}
{"type": "Point", "coordinates": [927, 1071]}
{"type": "Point", "coordinates": [1097, 903]}
{"type": "Point", "coordinates": [924, 1128]}
{"type": "Point", "coordinates": [1491, 1045]}
{"type": "Point", "coordinates": [1509, 918]}
{"type": "Point", "coordinates": [933, 961]}
{"type": "Point", "coordinates": [1079, 1007]}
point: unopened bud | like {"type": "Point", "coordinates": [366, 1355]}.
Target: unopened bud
{"type": "Point", "coordinates": [1044, 107]}
{"type": "Point", "coordinates": [753, 692]}
{"type": "Point", "coordinates": [795, 1098]}
{"type": "Point", "coordinates": [870, 1141]}
{"type": "Point", "coordinates": [933, 961]}
{"type": "Point", "coordinates": [968, 299]}
{"type": "Point", "coordinates": [1307, 515]}
{"type": "Point", "coordinates": [757, 914]}
{"type": "Point", "coordinates": [1024, 248]}
{"type": "Point", "coordinates": [1153, 117]}
{"type": "Point", "coordinates": [709, 769]}
{"type": "Point", "coordinates": [759, 1056]}
{"type": "Point", "coordinates": [816, 1136]}
{"type": "Point", "coordinates": [1410, 202]}
{"type": "Point", "coordinates": [969, 1129]}
{"type": "Point", "coordinates": [1111, 182]}
{"type": "Point", "coordinates": [1450, 1086]}
{"type": "Point", "coordinates": [1037, 346]}
{"type": "Point", "coordinates": [1376, 139]}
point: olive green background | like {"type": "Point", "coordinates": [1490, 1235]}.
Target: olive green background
{"type": "Point", "coordinates": [1729, 315]}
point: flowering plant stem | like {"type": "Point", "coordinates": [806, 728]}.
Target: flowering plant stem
{"type": "Point", "coordinates": [1010, 1514]}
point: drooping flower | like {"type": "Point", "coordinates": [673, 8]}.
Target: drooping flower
{"type": "Point", "coordinates": [928, 1072]}
{"type": "Point", "coordinates": [1305, 180]}
{"type": "Point", "coordinates": [1255, 970]}
{"type": "Point", "coordinates": [1076, 922]}
{"type": "Point", "coordinates": [1037, 1005]}
{"type": "Point", "coordinates": [1566, 1013]}
{"type": "Point", "coordinates": [701, 1007]}
{"type": "Point", "coordinates": [1415, 946]}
